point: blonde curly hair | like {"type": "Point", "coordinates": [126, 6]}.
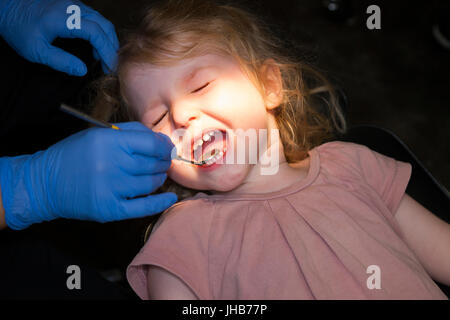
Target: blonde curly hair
{"type": "Point", "coordinates": [174, 30]}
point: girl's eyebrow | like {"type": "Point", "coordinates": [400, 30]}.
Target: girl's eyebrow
{"type": "Point", "coordinates": [184, 80]}
{"type": "Point", "coordinates": [191, 74]}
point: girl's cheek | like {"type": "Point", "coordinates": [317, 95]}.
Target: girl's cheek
{"type": "Point", "coordinates": [175, 174]}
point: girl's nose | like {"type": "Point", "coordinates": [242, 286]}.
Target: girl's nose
{"type": "Point", "coordinates": [183, 116]}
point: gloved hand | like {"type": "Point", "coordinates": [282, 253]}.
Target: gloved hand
{"type": "Point", "coordinates": [30, 26]}
{"type": "Point", "coordinates": [95, 174]}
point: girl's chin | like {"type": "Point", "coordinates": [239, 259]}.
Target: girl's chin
{"type": "Point", "coordinates": [214, 180]}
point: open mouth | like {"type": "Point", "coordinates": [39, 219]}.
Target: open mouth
{"type": "Point", "coordinates": [210, 147]}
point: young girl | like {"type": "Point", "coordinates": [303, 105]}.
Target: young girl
{"type": "Point", "coordinates": [332, 222]}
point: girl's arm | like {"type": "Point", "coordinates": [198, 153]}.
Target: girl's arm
{"type": "Point", "coordinates": [428, 236]}
{"type": "Point", "coordinates": [163, 285]}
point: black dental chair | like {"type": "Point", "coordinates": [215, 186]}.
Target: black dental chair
{"type": "Point", "coordinates": [423, 187]}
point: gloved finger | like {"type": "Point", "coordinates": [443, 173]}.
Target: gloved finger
{"type": "Point", "coordinates": [61, 60]}
{"type": "Point", "coordinates": [166, 138]}
{"type": "Point", "coordinates": [106, 25]}
{"type": "Point", "coordinates": [95, 54]}
{"type": "Point", "coordinates": [148, 144]}
{"type": "Point", "coordinates": [93, 33]}
{"type": "Point", "coordinates": [110, 32]}
{"type": "Point", "coordinates": [150, 205]}
{"type": "Point", "coordinates": [141, 165]}
{"type": "Point", "coordinates": [141, 185]}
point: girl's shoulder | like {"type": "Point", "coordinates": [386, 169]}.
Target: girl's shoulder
{"type": "Point", "coordinates": [348, 156]}
{"type": "Point", "coordinates": [348, 159]}
{"type": "Point", "coordinates": [188, 211]}
{"type": "Point", "coordinates": [358, 164]}
{"type": "Point", "coordinates": [342, 147]}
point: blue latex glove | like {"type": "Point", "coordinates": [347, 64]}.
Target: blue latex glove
{"type": "Point", "coordinates": [95, 174]}
{"type": "Point", "coordinates": [30, 26]}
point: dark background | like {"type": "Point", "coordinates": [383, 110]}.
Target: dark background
{"type": "Point", "coordinates": [397, 78]}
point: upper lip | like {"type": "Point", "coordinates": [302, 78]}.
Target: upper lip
{"type": "Point", "coordinates": [204, 131]}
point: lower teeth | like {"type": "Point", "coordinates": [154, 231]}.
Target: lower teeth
{"type": "Point", "coordinates": [212, 156]}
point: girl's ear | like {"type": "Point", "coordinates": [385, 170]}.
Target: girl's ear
{"type": "Point", "coordinates": [273, 84]}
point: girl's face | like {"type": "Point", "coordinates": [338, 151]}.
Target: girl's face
{"type": "Point", "coordinates": [198, 95]}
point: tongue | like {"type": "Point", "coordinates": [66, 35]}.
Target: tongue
{"type": "Point", "coordinates": [212, 147]}
{"type": "Point", "coordinates": [210, 154]}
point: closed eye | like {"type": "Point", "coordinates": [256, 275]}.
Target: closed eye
{"type": "Point", "coordinates": [202, 87]}
{"type": "Point", "coordinates": [162, 117]}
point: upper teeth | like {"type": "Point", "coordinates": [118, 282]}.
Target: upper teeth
{"type": "Point", "coordinates": [206, 137]}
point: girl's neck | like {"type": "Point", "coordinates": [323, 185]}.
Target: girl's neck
{"type": "Point", "coordinates": [287, 175]}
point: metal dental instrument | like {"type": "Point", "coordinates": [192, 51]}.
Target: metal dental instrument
{"type": "Point", "coordinates": [201, 163]}
{"type": "Point", "coordinates": [85, 117]}
{"type": "Point", "coordinates": [104, 124]}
